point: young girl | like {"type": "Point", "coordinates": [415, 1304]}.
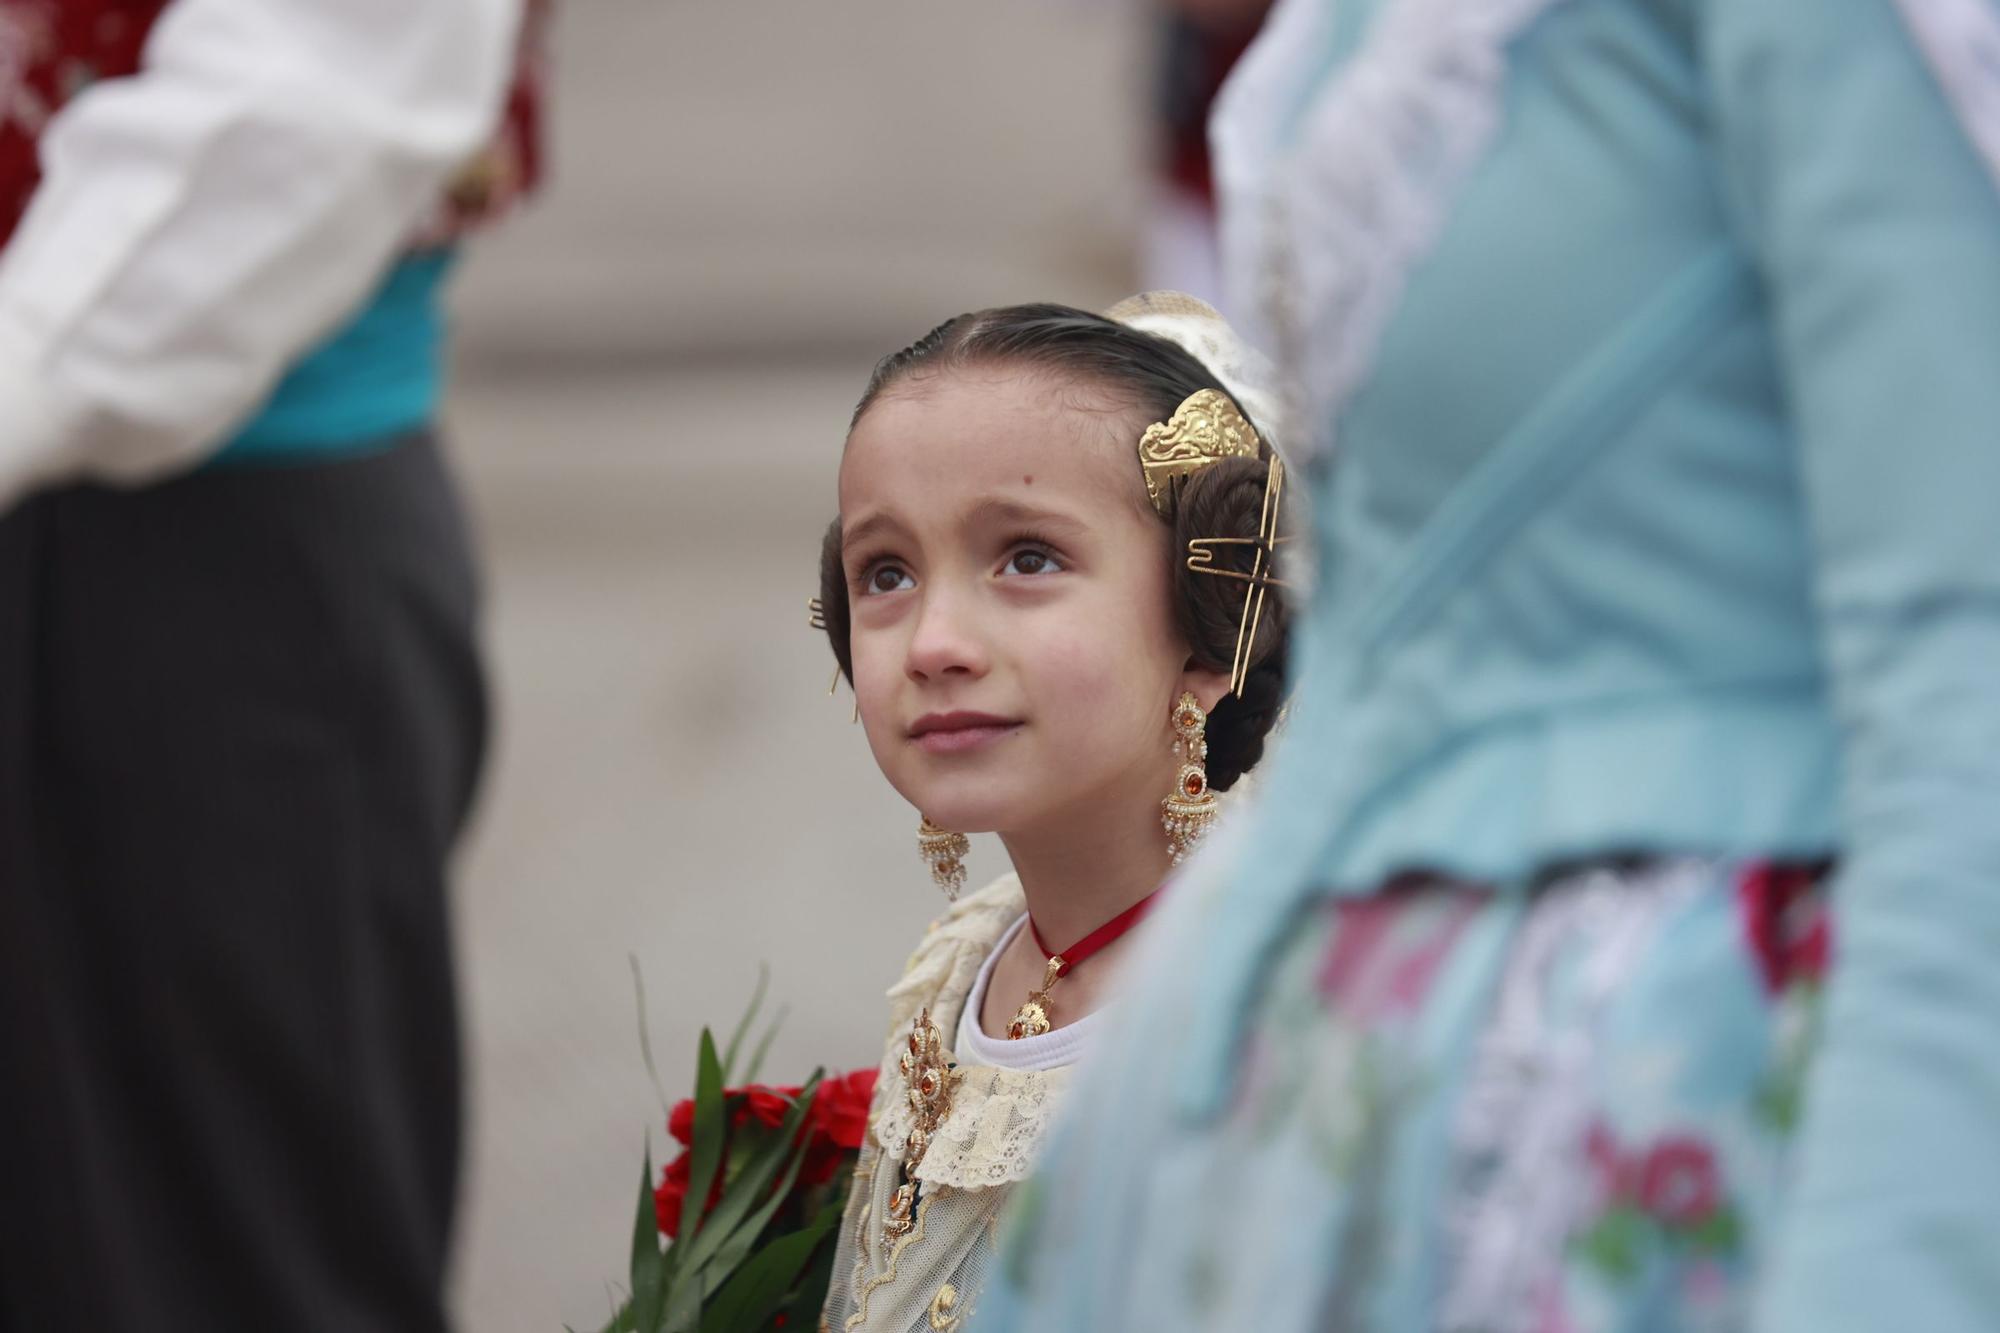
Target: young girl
{"type": "Point", "coordinates": [1042, 640]}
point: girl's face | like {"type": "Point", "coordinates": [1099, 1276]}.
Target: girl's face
{"type": "Point", "coordinates": [1014, 651]}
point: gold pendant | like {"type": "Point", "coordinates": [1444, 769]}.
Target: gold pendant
{"type": "Point", "coordinates": [1032, 1020]}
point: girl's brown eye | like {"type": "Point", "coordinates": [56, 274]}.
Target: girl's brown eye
{"type": "Point", "coordinates": [888, 578]}
{"type": "Point", "coordinates": [1030, 560]}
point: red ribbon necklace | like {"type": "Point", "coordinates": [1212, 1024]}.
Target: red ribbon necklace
{"type": "Point", "coordinates": [1033, 1018]}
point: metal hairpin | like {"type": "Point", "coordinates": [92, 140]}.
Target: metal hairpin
{"type": "Point", "coordinates": [1263, 560]}
{"type": "Point", "coordinates": [816, 617]}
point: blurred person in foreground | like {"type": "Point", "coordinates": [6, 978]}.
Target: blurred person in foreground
{"type": "Point", "coordinates": [1615, 946]}
{"type": "Point", "coordinates": [241, 708]}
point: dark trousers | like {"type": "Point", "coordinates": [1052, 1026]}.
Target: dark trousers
{"type": "Point", "coordinates": [241, 715]}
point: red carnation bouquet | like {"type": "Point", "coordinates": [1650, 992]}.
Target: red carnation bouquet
{"type": "Point", "coordinates": [748, 1210]}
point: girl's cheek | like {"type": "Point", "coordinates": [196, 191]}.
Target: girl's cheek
{"type": "Point", "coordinates": [1086, 660]}
{"type": "Point", "coordinates": [874, 683]}
{"type": "Point", "coordinates": [881, 669]}
{"type": "Point", "coordinates": [1092, 707]}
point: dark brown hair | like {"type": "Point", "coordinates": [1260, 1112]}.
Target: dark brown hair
{"type": "Point", "coordinates": [1224, 499]}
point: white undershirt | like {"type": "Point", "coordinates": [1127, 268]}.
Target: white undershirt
{"type": "Point", "coordinates": [1051, 1050]}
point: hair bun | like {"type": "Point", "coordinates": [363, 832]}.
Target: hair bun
{"type": "Point", "coordinates": [1226, 499]}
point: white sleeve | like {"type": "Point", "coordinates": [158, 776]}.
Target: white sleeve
{"type": "Point", "coordinates": [200, 224]}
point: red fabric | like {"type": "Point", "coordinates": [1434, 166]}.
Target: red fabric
{"type": "Point", "coordinates": [52, 49]}
{"type": "Point", "coordinates": [48, 50]}
{"type": "Point", "coordinates": [1199, 61]}
{"type": "Point", "coordinates": [1787, 922]}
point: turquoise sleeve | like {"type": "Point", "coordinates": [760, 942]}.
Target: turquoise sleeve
{"type": "Point", "coordinates": [1877, 231]}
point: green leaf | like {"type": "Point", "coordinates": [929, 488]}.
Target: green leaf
{"type": "Point", "coordinates": [705, 1156]}
{"type": "Point", "coordinates": [684, 1310]}
{"type": "Point", "coordinates": [743, 1027]}
{"type": "Point", "coordinates": [1615, 1245]}
{"type": "Point", "coordinates": [1718, 1233]}
{"type": "Point", "coordinates": [621, 1313]}
{"type": "Point", "coordinates": [744, 1234]}
{"type": "Point", "coordinates": [747, 1191]}
{"type": "Point", "coordinates": [764, 1045]}
{"type": "Point", "coordinates": [645, 1038]}
{"type": "Point", "coordinates": [748, 1300]}
{"type": "Point", "coordinates": [809, 1295]}
{"type": "Point", "coordinates": [648, 1264]}
{"type": "Point", "coordinates": [1779, 1101]}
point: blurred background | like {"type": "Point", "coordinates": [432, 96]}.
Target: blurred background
{"type": "Point", "coordinates": [750, 203]}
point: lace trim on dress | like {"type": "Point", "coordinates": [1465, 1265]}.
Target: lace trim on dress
{"type": "Point", "coordinates": [866, 1287]}
{"type": "Point", "coordinates": [1961, 40]}
{"type": "Point", "coordinates": [861, 1187]}
{"type": "Point", "coordinates": [998, 1116]}
{"type": "Point", "coordinates": [1323, 226]}
{"type": "Point", "coordinates": [947, 961]}
{"type": "Point", "coordinates": [997, 1123]}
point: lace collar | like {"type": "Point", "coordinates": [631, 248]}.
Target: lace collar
{"type": "Point", "coordinates": [998, 1116]}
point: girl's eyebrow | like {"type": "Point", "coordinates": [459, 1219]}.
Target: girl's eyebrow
{"type": "Point", "coordinates": [996, 511]}
{"type": "Point", "coordinates": [855, 534]}
{"type": "Point", "coordinates": [1000, 510]}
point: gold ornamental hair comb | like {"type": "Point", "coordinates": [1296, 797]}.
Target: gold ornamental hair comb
{"type": "Point", "coordinates": [1263, 560]}
{"type": "Point", "coordinates": [1206, 428]}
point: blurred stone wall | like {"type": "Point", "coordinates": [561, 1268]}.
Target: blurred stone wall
{"type": "Point", "coordinates": [760, 177]}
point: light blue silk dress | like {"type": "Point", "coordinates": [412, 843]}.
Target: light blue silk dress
{"type": "Point", "coordinates": [1652, 441]}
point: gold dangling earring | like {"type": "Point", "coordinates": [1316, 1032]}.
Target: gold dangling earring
{"type": "Point", "coordinates": [1190, 807]}
{"type": "Point", "coordinates": [945, 853]}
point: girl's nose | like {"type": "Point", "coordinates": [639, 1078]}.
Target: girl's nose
{"type": "Point", "coordinates": [947, 639]}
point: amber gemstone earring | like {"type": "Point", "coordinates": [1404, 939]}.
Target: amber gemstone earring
{"type": "Point", "coordinates": [945, 853]}
{"type": "Point", "coordinates": [1190, 807]}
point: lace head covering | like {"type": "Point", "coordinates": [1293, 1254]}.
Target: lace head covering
{"type": "Point", "coordinates": [1199, 329]}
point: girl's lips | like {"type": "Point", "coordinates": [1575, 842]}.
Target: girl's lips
{"type": "Point", "coordinates": [956, 733]}
{"type": "Point", "coordinates": [960, 739]}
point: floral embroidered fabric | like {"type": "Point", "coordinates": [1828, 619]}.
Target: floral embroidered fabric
{"type": "Point", "coordinates": [1492, 1112]}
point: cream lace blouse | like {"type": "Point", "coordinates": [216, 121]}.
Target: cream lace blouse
{"type": "Point", "coordinates": [928, 1279]}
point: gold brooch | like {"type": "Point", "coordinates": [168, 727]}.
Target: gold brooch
{"type": "Point", "coordinates": [1206, 428]}
{"type": "Point", "coordinates": [928, 1081]}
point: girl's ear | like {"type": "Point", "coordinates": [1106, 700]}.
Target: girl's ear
{"type": "Point", "coordinates": [1207, 686]}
